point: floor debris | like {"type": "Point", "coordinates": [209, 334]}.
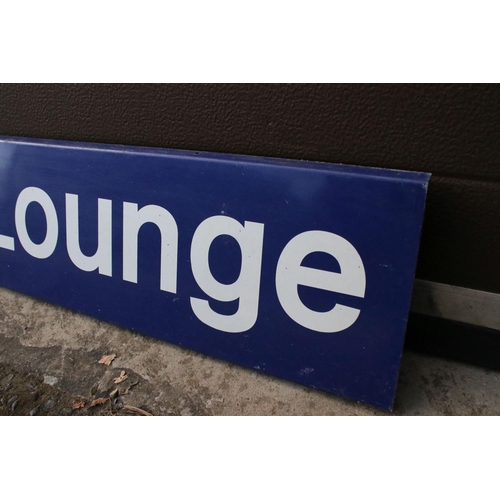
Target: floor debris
{"type": "Point", "coordinates": [107, 359]}
{"type": "Point", "coordinates": [98, 401]}
{"type": "Point", "coordinates": [77, 404]}
{"type": "Point", "coordinates": [137, 410]}
{"type": "Point", "coordinates": [125, 391]}
{"type": "Point", "coordinates": [121, 378]}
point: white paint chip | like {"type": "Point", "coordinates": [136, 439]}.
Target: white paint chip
{"type": "Point", "coordinates": [49, 379]}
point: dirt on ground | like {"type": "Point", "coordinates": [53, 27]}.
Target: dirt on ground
{"type": "Point", "coordinates": [28, 394]}
{"type": "Point", "coordinates": [58, 362]}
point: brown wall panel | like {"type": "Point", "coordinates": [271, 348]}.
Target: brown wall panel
{"type": "Point", "coordinates": [449, 130]}
{"type": "Point", "coordinates": [461, 234]}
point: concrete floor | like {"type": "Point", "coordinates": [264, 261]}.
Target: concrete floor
{"type": "Point", "coordinates": [65, 347]}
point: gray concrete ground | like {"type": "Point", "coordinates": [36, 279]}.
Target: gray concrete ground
{"type": "Point", "coordinates": [55, 354]}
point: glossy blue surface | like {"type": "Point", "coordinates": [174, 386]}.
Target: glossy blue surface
{"type": "Point", "coordinates": [378, 211]}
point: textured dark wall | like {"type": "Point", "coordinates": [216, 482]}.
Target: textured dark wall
{"type": "Point", "coordinates": [451, 131]}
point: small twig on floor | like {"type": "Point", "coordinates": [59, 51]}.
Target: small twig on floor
{"type": "Point", "coordinates": [137, 410]}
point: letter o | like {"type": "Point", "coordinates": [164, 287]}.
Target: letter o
{"type": "Point", "coordinates": [48, 245]}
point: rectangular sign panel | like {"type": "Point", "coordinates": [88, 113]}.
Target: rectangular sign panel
{"type": "Point", "coordinates": [300, 270]}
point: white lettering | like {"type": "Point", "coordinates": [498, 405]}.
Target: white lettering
{"type": "Point", "coordinates": [133, 219]}
{"type": "Point", "coordinates": [245, 288]}
{"type": "Point", "coordinates": [290, 273]}
{"type": "Point", "coordinates": [350, 281]}
{"type": "Point", "coordinates": [7, 242]}
{"type": "Point", "coordinates": [102, 258]}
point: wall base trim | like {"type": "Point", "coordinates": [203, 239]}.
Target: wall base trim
{"type": "Point", "coordinates": [474, 307]}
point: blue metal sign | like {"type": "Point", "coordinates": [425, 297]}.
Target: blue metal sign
{"type": "Point", "coordinates": [301, 270]}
